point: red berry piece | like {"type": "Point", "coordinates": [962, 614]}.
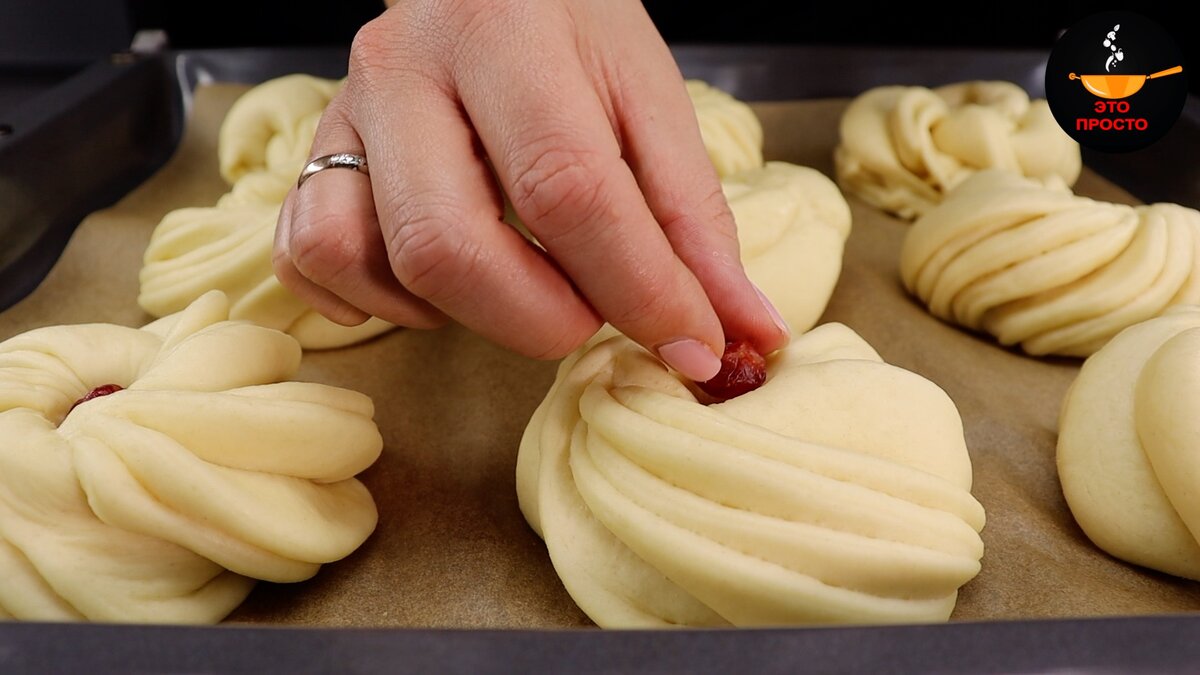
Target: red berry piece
{"type": "Point", "coordinates": [743, 370]}
{"type": "Point", "coordinates": [102, 390]}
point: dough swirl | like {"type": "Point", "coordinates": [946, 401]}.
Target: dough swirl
{"type": "Point", "coordinates": [263, 144]}
{"type": "Point", "coordinates": [1053, 272]}
{"type": "Point", "coordinates": [162, 502]}
{"type": "Point", "coordinates": [903, 148]}
{"type": "Point", "coordinates": [1129, 440]}
{"type": "Point", "coordinates": [837, 492]}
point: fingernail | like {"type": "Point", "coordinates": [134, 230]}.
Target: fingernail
{"type": "Point", "coordinates": [692, 358]}
{"type": "Point", "coordinates": [775, 315]}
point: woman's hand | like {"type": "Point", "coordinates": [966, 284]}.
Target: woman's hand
{"type": "Point", "coordinates": [581, 112]}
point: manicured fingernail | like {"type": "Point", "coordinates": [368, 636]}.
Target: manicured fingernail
{"type": "Point", "coordinates": [775, 315]}
{"type": "Point", "coordinates": [692, 358]}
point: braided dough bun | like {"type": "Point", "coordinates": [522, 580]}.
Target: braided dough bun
{"type": "Point", "coordinates": [1129, 444]}
{"type": "Point", "coordinates": [263, 144]}
{"type": "Point", "coordinates": [816, 498]}
{"type": "Point", "coordinates": [903, 148]}
{"type": "Point", "coordinates": [162, 502]}
{"type": "Point", "coordinates": [1056, 273]}
{"type": "Point", "coordinates": [730, 129]}
{"type": "Point", "coordinates": [792, 226]}
{"type": "Point", "coordinates": [268, 133]}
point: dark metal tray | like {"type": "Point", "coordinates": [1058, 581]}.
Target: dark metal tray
{"type": "Point", "coordinates": [80, 145]}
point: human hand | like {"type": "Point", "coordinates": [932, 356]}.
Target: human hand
{"type": "Point", "coordinates": [582, 114]}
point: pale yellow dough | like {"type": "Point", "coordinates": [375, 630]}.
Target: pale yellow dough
{"type": "Point", "coordinates": [161, 503]}
{"type": "Point", "coordinates": [838, 492]}
{"type": "Point", "coordinates": [731, 131]}
{"type": "Point", "coordinates": [263, 144]}
{"type": "Point", "coordinates": [902, 148]}
{"type": "Point", "coordinates": [792, 226]}
{"type": "Point", "coordinates": [1053, 272]}
{"type": "Point", "coordinates": [1129, 444]}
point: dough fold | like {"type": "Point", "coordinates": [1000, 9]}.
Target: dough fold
{"type": "Point", "coordinates": [838, 492]}
{"type": "Point", "coordinates": [263, 144]}
{"type": "Point", "coordinates": [792, 226]}
{"type": "Point", "coordinates": [1129, 444]}
{"type": "Point", "coordinates": [731, 131]}
{"type": "Point", "coordinates": [1045, 269]}
{"type": "Point", "coordinates": [162, 502]}
{"type": "Point", "coordinates": [902, 148]}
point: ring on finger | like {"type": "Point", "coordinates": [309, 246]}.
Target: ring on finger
{"type": "Point", "coordinates": [338, 160]}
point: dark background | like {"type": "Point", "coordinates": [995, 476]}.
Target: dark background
{"type": "Point", "coordinates": [73, 30]}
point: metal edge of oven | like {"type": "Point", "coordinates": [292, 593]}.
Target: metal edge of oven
{"type": "Point", "coordinates": [73, 149]}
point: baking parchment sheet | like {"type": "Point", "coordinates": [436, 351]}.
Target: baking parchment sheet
{"type": "Point", "coordinates": [452, 549]}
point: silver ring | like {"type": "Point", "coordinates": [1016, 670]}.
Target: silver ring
{"type": "Point", "coordinates": [339, 160]}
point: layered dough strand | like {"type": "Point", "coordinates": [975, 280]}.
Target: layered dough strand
{"type": "Point", "coordinates": [1050, 271]}
{"type": "Point", "coordinates": [903, 148]}
{"type": "Point", "coordinates": [262, 146]}
{"type": "Point", "coordinates": [164, 501]}
{"type": "Point", "coordinates": [1129, 444]}
{"type": "Point", "coordinates": [838, 492]}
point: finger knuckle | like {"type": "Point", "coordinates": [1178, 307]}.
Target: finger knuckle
{"type": "Point", "coordinates": [372, 44]}
{"type": "Point", "coordinates": [707, 214]}
{"type": "Point", "coordinates": [560, 190]}
{"type": "Point", "coordinates": [321, 249]}
{"type": "Point", "coordinates": [645, 308]}
{"type": "Point", "coordinates": [704, 231]}
{"type": "Point", "coordinates": [386, 54]}
{"type": "Point", "coordinates": [556, 346]}
{"type": "Point", "coordinates": [713, 208]}
{"type": "Point", "coordinates": [430, 257]}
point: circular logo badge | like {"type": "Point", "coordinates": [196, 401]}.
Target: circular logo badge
{"type": "Point", "coordinates": [1115, 82]}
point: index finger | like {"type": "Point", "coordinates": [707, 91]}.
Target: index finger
{"type": "Point", "coordinates": [556, 154]}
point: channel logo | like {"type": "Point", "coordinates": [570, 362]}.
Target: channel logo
{"type": "Point", "coordinates": [1106, 82]}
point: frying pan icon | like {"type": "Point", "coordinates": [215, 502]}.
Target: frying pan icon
{"type": "Point", "coordinates": [1119, 86]}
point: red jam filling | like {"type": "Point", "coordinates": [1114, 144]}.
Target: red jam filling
{"type": "Point", "coordinates": [102, 390]}
{"type": "Point", "coordinates": [743, 370]}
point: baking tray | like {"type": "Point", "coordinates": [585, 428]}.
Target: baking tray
{"type": "Point", "coordinates": [80, 145]}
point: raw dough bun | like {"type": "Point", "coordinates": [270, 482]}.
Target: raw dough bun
{"type": "Point", "coordinates": [730, 130]}
{"type": "Point", "coordinates": [1129, 444]}
{"type": "Point", "coordinates": [902, 148]}
{"type": "Point", "coordinates": [270, 130]}
{"type": "Point", "coordinates": [161, 503]}
{"type": "Point", "coordinates": [838, 492]}
{"type": "Point", "coordinates": [228, 248]}
{"type": "Point", "coordinates": [1056, 273]}
{"type": "Point", "coordinates": [263, 144]}
{"type": "Point", "coordinates": [792, 225]}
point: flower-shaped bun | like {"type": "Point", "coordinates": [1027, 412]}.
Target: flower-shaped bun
{"type": "Point", "coordinates": [1129, 444]}
{"type": "Point", "coordinates": [902, 148]}
{"type": "Point", "coordinates": [730, 129]}
{"type": "Point", "coordinates": [1053, 272]}
{"type": "Point", "coordinates": [817, 498]}
{"type": "Point", "coordinates": [163, 497]}
{"type": "Point", "coordinates": [792, 225]}
{"type": "Point", "coordinates": [263, 144]}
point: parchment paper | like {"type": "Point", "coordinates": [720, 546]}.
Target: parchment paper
{"type": "Point", "coordinates": [452, 549]}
